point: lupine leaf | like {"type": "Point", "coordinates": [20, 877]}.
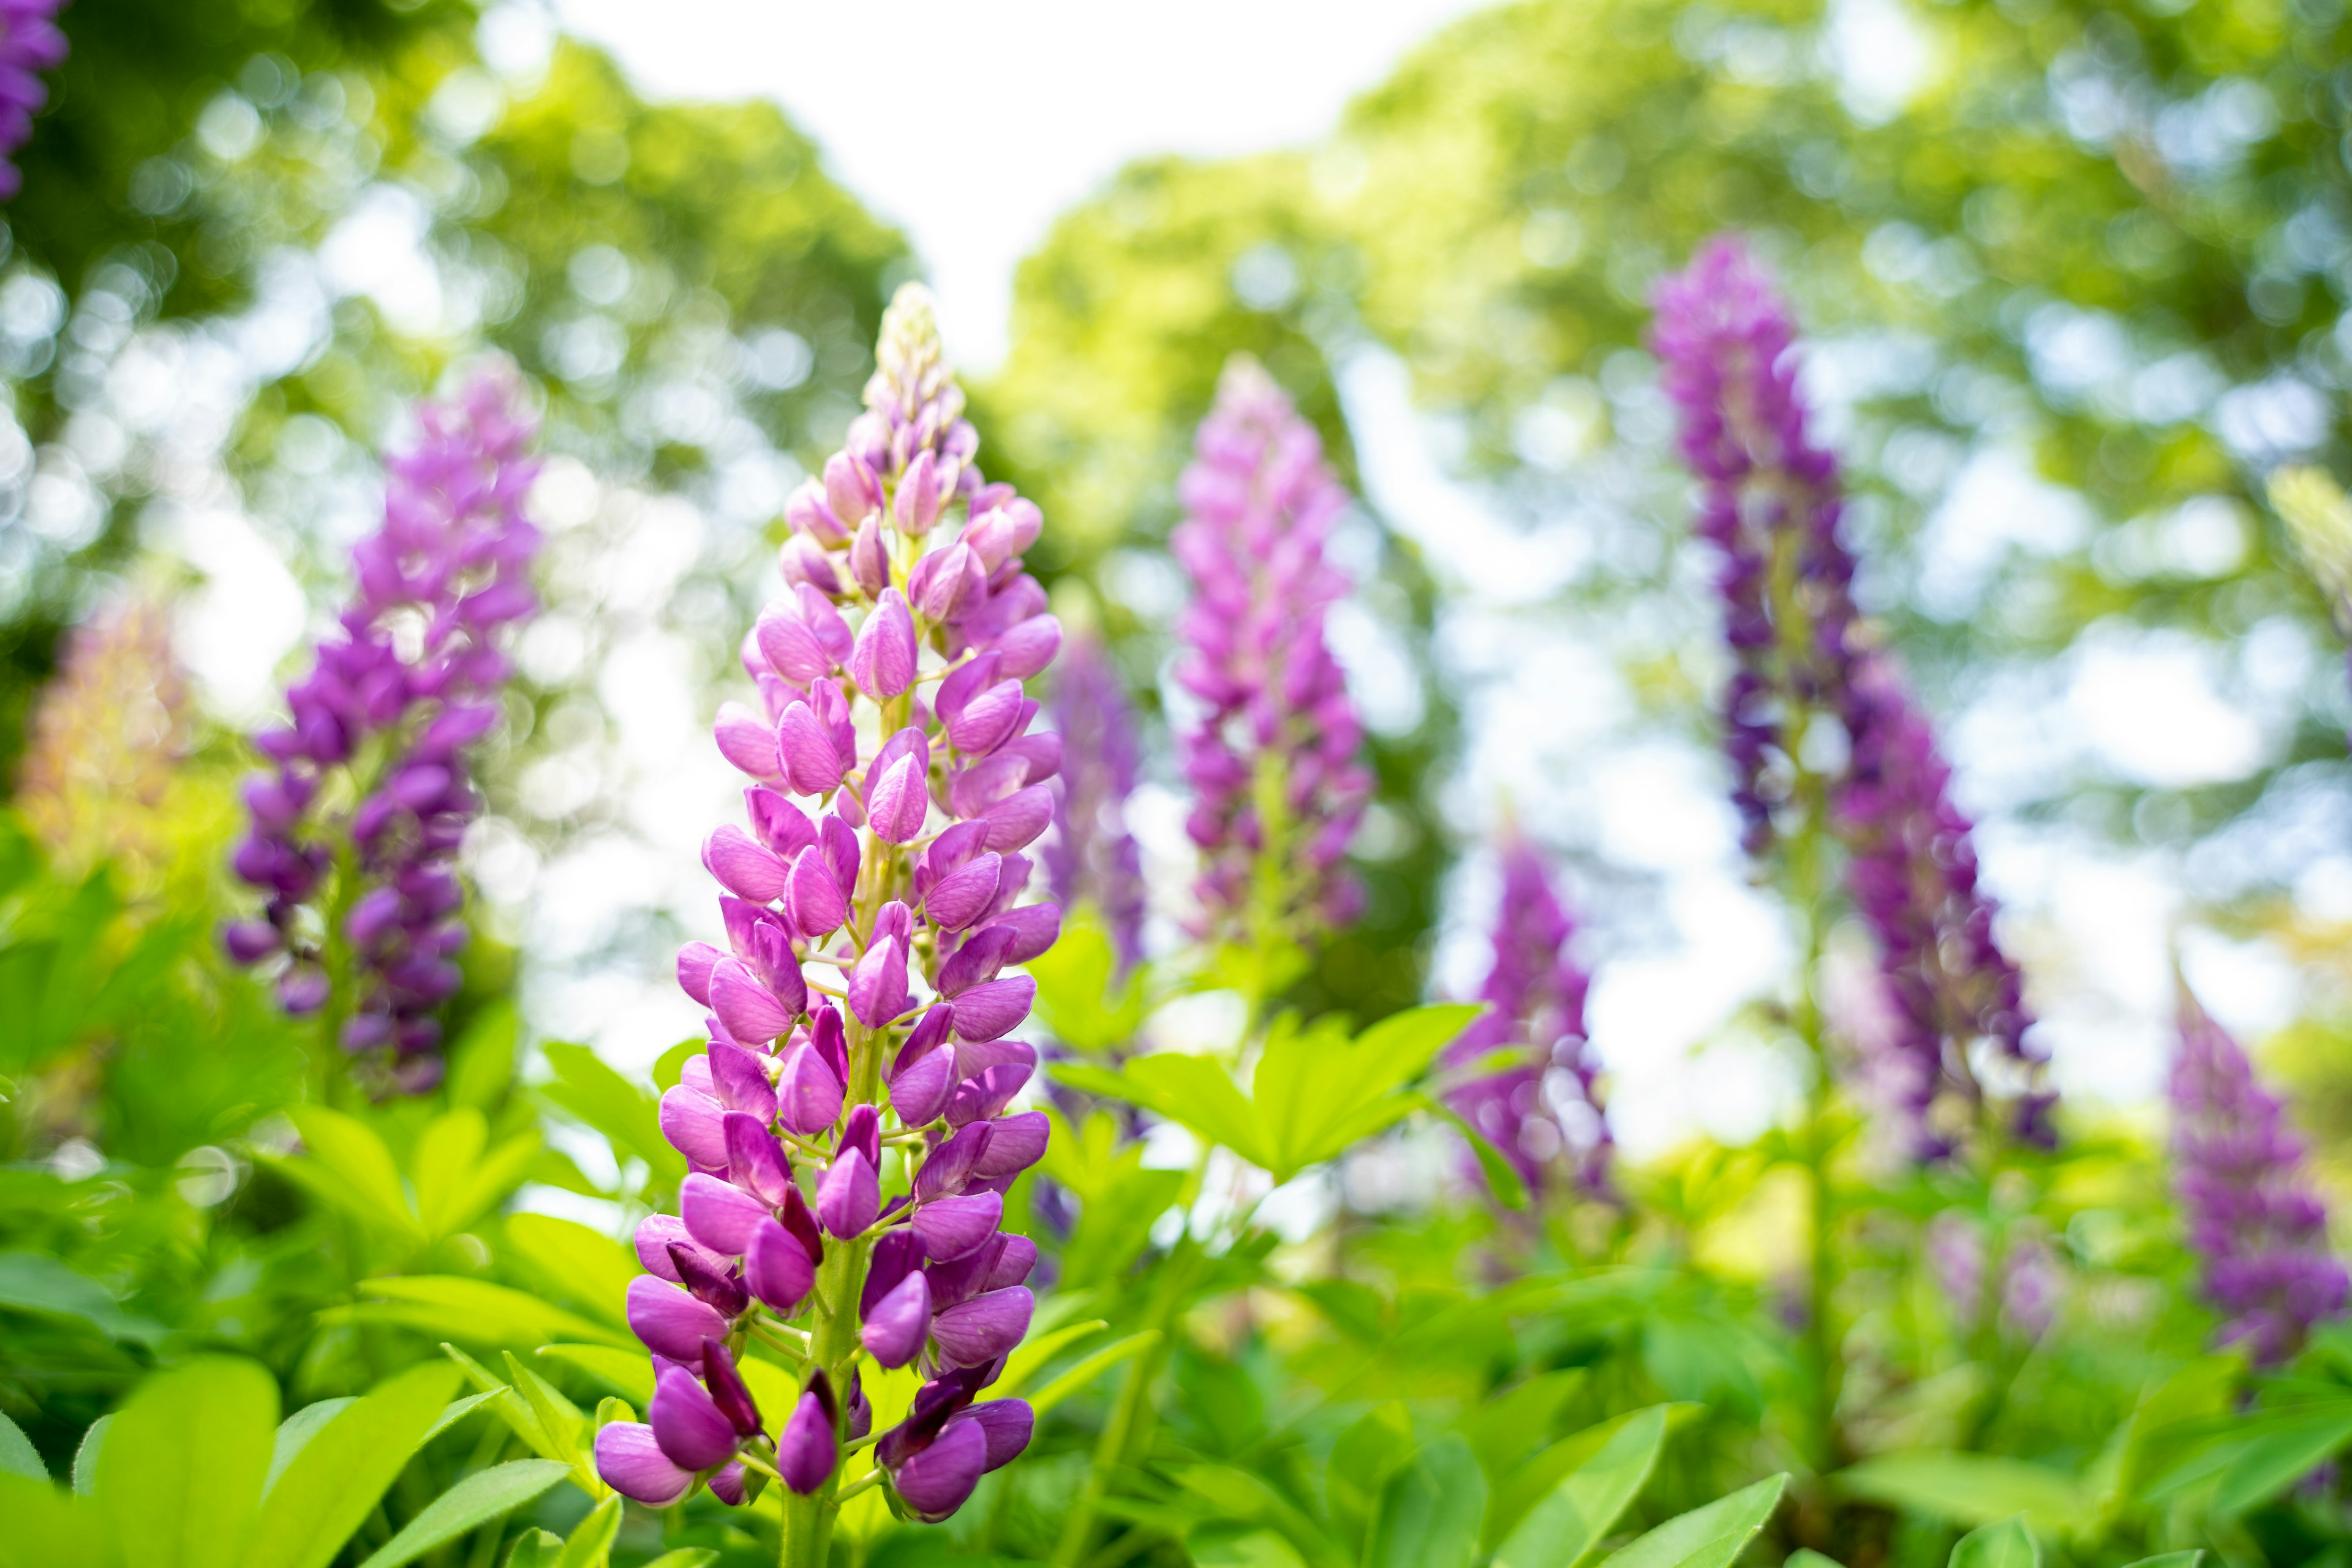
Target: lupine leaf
{"type": "Point", "coordinates": [1318, 1091]}
{"type": "Point", "coordinates": [591, 1545]}
{"type": "Point", "coordinates": [627, 1374]}
{"type": "Point", "coordinates": [2276, 1460]}
{"type": "Point", "coordinates": [181, 1469]}
{"type": "Point", "coordinates": [35, 1282]}
{"type": "Point", "coordinates": [2008, 1545]}
{"type": "Point", "coordinates": [17, 1455]}
{"type": "Point", "coordinates": [1430, 1511]}
{"type": "Point", "coordinates": [584, 1266]}
{"type": "Point", "coordinates": [1709, 1537]}
{"type": "Point", "coordinates": [1086, 1370]}
{"type": "Point", "coordinates": [1196, 1091]}
{"type": "Point", "coordinates": [85, 1462]}
{"type": "Point", "coordinates": [471, 1503]}
{"type": "Point", "coordinates": [474, 1311]}
{"type": "Point", "coordinates": [1029, 1360]}
{"type": "Point", "coordinates": [447, 1152]}
{"type": "Point", "coordinates": [2188, 1559]}
{"type": "Point", "coordinates": [1966, 1488]}
{"type": "Point", "coordinates": [344, 1161]}
{"type": "Point", "coordinates": [588, 1090]}
{"type": "Point", "coordinates": [47, 1527]}
{"type": "Point", "coordinates": [334, 1482]}
{"type": "Point", "coordinates": [1569, 1521]}
{"type": "Point", "coordinates": [297, 1430]}
{"type": "Point", "coordinates": [1375, 1448]}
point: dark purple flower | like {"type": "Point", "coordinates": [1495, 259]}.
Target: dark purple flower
{"type": "Point", "coordinates": [1544, 1114]}
{"type": "Point", "coordinates": [30, 44]}
{"type": "Point", "coordinates": [1771, 506]}
{"type": "Point", "coordinates": [632, 1463]}
{"type": "Point", "coordinates": [411, 679]}
{"type": "Point", "coordinates": [2253, 1215]}
{"type": "Point", "coordinates": [1259, 504]}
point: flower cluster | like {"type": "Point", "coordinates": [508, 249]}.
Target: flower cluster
{"type": "Point", "coordinates": [30, 44]}
{"type": "Point", "coordinates": [1547, 1110]}
{"type": "Point", "coordinates": [356, 826]}
{"type": "Point", "coordinates": [1772, 506]}
{"type": "Point", "coordinates": [1091, 858]}
{"type": "Point", "coordinates": [2252, 1216]}
{"type": "Point", "coordinates": [105, 740]}
{"type": "Point", "coordinates": [1272, 761]}
{"type": "Point", "coordinates": [850, 1136]}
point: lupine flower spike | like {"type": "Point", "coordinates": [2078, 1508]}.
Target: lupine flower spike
{"type": "Point", "coordinates": [2252, 1216]}
{"type": "Point", "coordinates": [1545, 1115]}
{"type": "Point", "coordinates": [1773, 503]}
{"type": "Point", "coordinates": [1278, 788]}
{"type": "Point", "coordinates": [1091, 856]}
{"type": "Point", "coordinates": [30, 44]}
{"type": "Point", "coordinates": [850, 1128]}
{"type": "Point", "coordinates": [363, 916]}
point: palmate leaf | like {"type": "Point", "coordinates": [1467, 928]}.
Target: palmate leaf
{"type": "Point", "coordinates": [1430, 1511]}
{"type": "Point", "coordinates": [584, 1266]}
{"type": "Point", "coordinates": [1076, 997]}
{"type": "Point", "coordinates": [588, 1090]}
{"type": "Point", "coordinates": [1571, 1520]}
{"type": "Point", "coordinates": [473, 1502]}
{"type": "Point", "coordinates": [1709, 1537]}
{"type": "Point", "coordinates": [181, 1471]}
{"type": "Point", "coordinates": [2008, 1545]}
{"type": "Point", "coordinates": [343, 1163]}
{"type": "Point", "coordinates": [332, 1483]}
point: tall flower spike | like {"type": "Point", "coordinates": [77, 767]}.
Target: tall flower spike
{"type": "Point", "coordinates": [2252, 1216]}
{"type": "Point", "coordinates": [30, 44]}
{"type": "Point", "coordinates": [1278, 786]}
{"type": "Point", "coordinates": [1546, 1114]}
{"type": "Point", "coordinates": [409, 680]}
{"type": "Point", "coordinates": [106, 737]}
{"type": "Point", "coordinates": [895, 865]}
{"type": "Point", "coordinates": [1092, 857]}
{"type": "Point", "coordinates": [1773, 503]}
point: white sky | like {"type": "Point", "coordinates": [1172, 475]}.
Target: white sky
{"type": "Point", "coordinates": [974, 126]}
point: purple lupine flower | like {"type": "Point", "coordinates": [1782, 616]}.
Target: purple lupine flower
{"type": "Point", "coordinates": [1260, 504]}
{"type": "Point", "coordinates": [1546, 1113]}
{"type": "Point", "coordinates": [1772, 503]}
{"type": "Point", "coordinates": [892, 870]}
{"type": "Point", "coordinates": [1091, 856]}
{"type": "Point", "coordinates": [2252, 1216]}
{"type": "Point", "coordinates": [408, 682]}
{"type": "Point", "coordinates": [30, 43]}
{"type": "Point", "coordinates": [2032, 1278]}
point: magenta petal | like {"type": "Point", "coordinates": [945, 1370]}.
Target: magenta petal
{"type": "Point", "coordinates": [920, 1092]}
{"type": "Point", "coordinates": [727, 1486]}
{"type": "Point", "coordinates": [987, 1011]}
{"type": "Point", "coordinates": [1018, 817]}
{"type": "Point", "coordinates": [1015, 1143]}
{"type": "Point", "coordinates": [1030, 645]}
{"type": "Point", "coordinates": [687, 1422]}
{"type": "Point", "coordinates": [808, 1099]}
{"type": "Point", "coordinates": [822, 621]}
{"type": "Point", "coordinates": [977, 1331]}
{"type": "Point", "coordinates": [877, 986]}
{"type": "Point", "coordinates": [1036, 928]}
{"type": "Point", "coordinates": [776, 1268]}
{"type": "Point", "coordinates": [807, 1449]}
{"type": "Point", "coordinates": [950, 1228]}
{"type": "Point", "coordinates": [979, 1097]}
{"type": "Point", "coordinates": [935, 1482]}
{"type": "Point", "coordinates": [670, 1322]}
{"type": "Point", "coordinates": [849, 1198]}
{"type": "Point", "coordinates": [1011, 1265]}
{"type": "Point", "coordinates": [811, 760]}
{"type": "Point", "coordinates": [815, 900]}
{"type": "Point", "coordinates": [963, 895]}
{"type": "Point", "coordinates": [882, 660]}
{"type": "Point", "coordinates": [893, 1333]}
{"type": "Point", "coordinates": [746, 740]}
{"type": "Point", "coordinates": [898, 804]}
{"type": "Point", "coordinates": [719, 1214]}
{"type": "Point", "coordinates": [1007, 1424]}
{"type": "Point", "coordinates": [695, 961]}
{"type": "Point", "coordinates": [747, 869]}
{"type": "Point", "coordinates": [755, 1161]}
{"type": "Point", "coordinates": [657, 1234]}
{"type": "Point", "coordinates": [749, 1009]}
{"type": "Point", "coordinates": [631, 1462]}
{"type": "Point", "coordinates": [690, 1122]}
{"type": "Point", "coordinates": [790, 648]}
{"type": "Point", "coordinates": [739, 1081]}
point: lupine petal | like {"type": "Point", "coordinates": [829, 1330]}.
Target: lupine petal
{"type": "Point", "coordinates": [694, 960]}
{"type": "Point", "coordinates": [900, 802]}
{"type": "Point", "coordinates": [919, 1092]}
{"type": "Point", "coordinates": [936, 1482]}
{"type": "Point", "coordinates": [950, 1228]}
{"type": "Point", "coordinates": [811, 760]}
{"type": "Point", "coordinates": [807, 1451]}
{"type": "Point", "coordinates": [809, 1095]}
{"type": "Point", "coordinates": [690, 1122]}
{"type": "Point", "coordinates": [1008, 1425]}
{"type": "Point", "coordinates": [747, 741]}
{"type": "Point", "coordinates": [960, 897]}
{"type": "Point", "coordinates": [720, 1216]}
{"type": "Point", "coordinates": [749, 1009]}
{"type": "Point", "coordinates": [987, 1011]}
{"type": "Point", "coordinates": [893, 1333]}
{"type": "Point", "coordinates": [670, 1322]}
{"type": "Point", "coordinates": [1015, 1143]}
{"type": "Point", "coordinates": [748, 870]}
{"type": "Point", "coordinates": [755, 1162]}
{"type": "Point", "coordinates": [978, 1331]}
{"type": "Point", "coordinates": [687, 1423]}
{"type": "Point", "coordinates": [815, 900]}
{"type": "Point", "coordinates": [776, 1268]}
{"type": "Point", "coordinates": [882, 660]}
{"type": "Point", "coordinates": [632, 1463]}
{"type": "Point", "coordinates": [849, 1198]}
{"type": "Point", "coordinates": [877, 986]}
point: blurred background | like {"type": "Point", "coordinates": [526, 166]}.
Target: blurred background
{"type": "Point", "coordinates": [2075, 279]}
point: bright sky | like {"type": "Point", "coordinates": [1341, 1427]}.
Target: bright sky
{"type": "Point", "coordinates": [974, 126]}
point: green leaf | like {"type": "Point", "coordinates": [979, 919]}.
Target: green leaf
{"type": "Point", "coordinates": [2188, 1559]}
{"type": "Point", "coordinates": [1430, 1511]}
{"type": "Point", "coordinates": [17, 1455]}
{"type": "Point", "coordinates": [35, 1282]}
{"type": "Point", "coordinates": [2008, 1545]}
{"type": "Point", "coordinates": [181, 1469]}
{"type": "Point", "coordinates": [482, 1062]}
{"type": "Point", "coordinates": [1086, 1370]}
{"type": "Point", "coordinates": [473, 1502]}
{"type": "Point", "coordinates": [457, 1410]}
{"type": "Point", "coordinates": [85, 1463]}
{"type": "Point", "coordinates": [591, 1545]}
{"type": "Point", "coordinates": [1196, 1091]}
{"type": "Point", "coordinates": [47, 1528]}
{"type": "Point", "coordinates": [1567, 1524]}
{"type": "Point", "coordinates": [1709, 1537]}
{"type": "Point", "coordinates": [1370, 1451]}
{"type": "Point", "coordinates": [1507, 1427]}
{"type": "Point", "coordinates": [347, 1164]}
{"type": "Point", "coordinates": [627, 1373]}
{"type": "Point", "coordinates": [1502, 1177]}
{"type": "Point", "coordinates": [1966, 1488]}
{"type": "Point", "coordinates": [447, 1152]}
{"type": "Point", "coordinates": [583, 1265]}
{"type": "Point", "coordinates": [1806, 1557]}
{"type": "Point", "coordinates": [2276, 1460]}
{"type": "Point", "coordinates": [684, 1557]}
{"type": "Point", "coordinates": [1030, 1360]}
{"type": "Point", "coordinates": [589, 1090]}
{"type": "Point", "coordinates": [1076, 998]}
{"type": "Point", "coordinates": [561, 1420]}
{"type": "Point", "coordinates": [334, 1482]}
{"type": "Point", "coordinates": [536, 1549]}
{"type": "Point", "coordinates": [297, 1430]}
{"type": "Point", "coordinates": [474, 1311]}
{"type": "Point", "coordinates": [1318, 1091]}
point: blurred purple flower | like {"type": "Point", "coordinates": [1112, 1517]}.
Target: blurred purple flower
{"type": "Point", "coordinates": [1091, 856]}
{"type": "Point", "coordinates": [2252, 1216]}
{"type": "Point", "coordinates": [1279, 731]}
{"type": "Point", "coordinates": [1772, 503]}
{"type": "Point", "coordinates": [30, 43]}
{"type": "Point", "coordinates": [1546, 1113]}
{"type": "Point", "coordinates": [409, 680]}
